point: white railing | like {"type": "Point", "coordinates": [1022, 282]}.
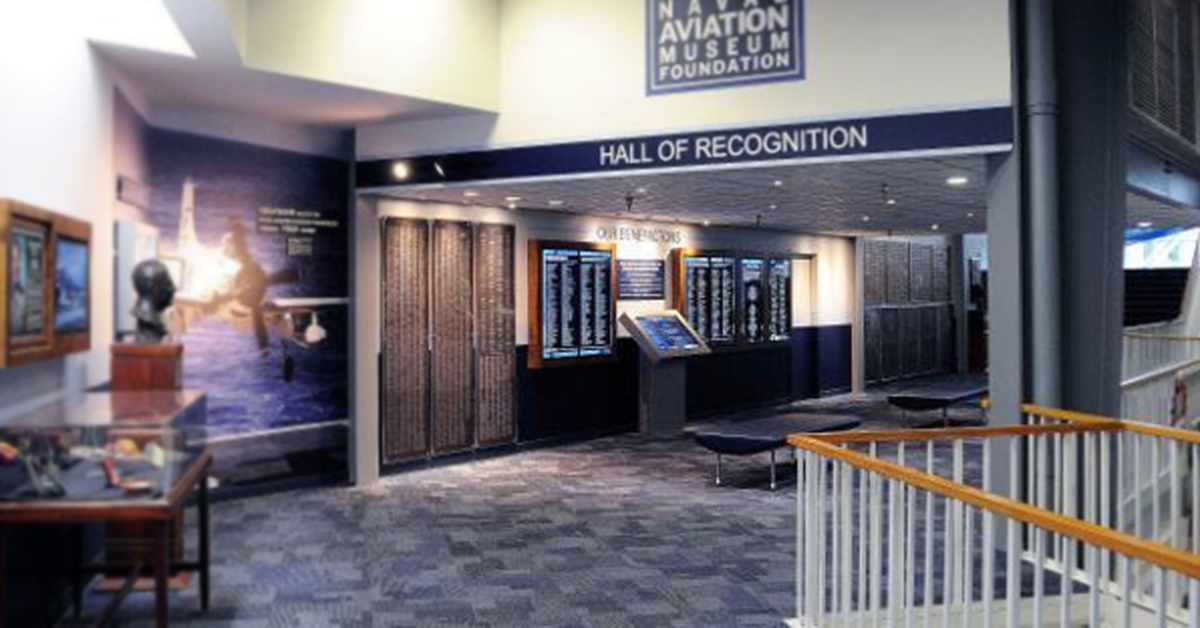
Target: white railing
{"type": "Point", "coordinates": [1153, 347]}
{"type": "Point", "coordinates": [914, 528]}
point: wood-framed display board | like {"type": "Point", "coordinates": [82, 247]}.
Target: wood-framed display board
{"type": "Point", "coordinates": [734, 299]}
{"type": "Point", "coordinates": [572, 303]}
{"type": "Point", "coordinates": [45, 303]}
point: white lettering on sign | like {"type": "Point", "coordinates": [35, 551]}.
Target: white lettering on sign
{"type": "Point", "coordinates": [638, 234]}
{"type": "Point", "coordinates": [736, 146]}
{"type": "Point", "coordinates": [694, 44]}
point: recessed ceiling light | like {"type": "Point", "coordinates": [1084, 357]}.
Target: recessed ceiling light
{"type": "Point", "coordinates": [891, 201]}
{"type": "Point", "coordinates": [400, 171]}
{"type": "Point", "coordinates": [866, 219]}
{"type": "Point", "coordinates": [957, 181]}
{"type": "Point", "coordinates": [555, 203]}
{"type": "Point", "coordinates": [437, 165]}
{"type": "Point", "coordinates": [470, 194]}
{"type": "Point", "coordinates": [935, 226]}
{"type": "Point", "coordinates": [707, 223]}
{"type": "Point", "coordinates": [641, 191]}
{"type": "Point", "coordinates": [512, 199]}
{"type": "Point", "coordinates": [512, 205]}
{"type": "Point", "coordinates": [774, 207]}
{"type": "Point", "coordinates": [970, 214]}
{"type": "Point", "coordinates": [778, 183]}
{"type": "Point", "coordinates": [1145, 224]}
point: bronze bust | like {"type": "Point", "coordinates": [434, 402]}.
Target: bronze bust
{"type": "Point", "coordinates": [156, 291]}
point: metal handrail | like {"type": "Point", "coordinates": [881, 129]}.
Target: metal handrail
{"type": "Point", "coordinates": [1139, 549]}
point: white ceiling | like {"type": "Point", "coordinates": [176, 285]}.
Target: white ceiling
{"type": "Point", "coordinates": [845, 198]}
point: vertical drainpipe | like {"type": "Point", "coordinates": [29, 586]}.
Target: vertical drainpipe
{"type": "Point", "coordinates": [1039, 117]}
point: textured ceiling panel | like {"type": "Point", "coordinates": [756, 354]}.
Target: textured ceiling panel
{"type": "Point", "coordinates": [845, 198]}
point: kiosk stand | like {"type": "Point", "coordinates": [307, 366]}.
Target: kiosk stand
{"type": "Point", "coordinates": [664, 338]}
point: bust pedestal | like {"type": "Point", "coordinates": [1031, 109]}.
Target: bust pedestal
{"type": "Point", "coordinates": [147, 367]}
{"type": "Point", "coordinates": [143, 368]}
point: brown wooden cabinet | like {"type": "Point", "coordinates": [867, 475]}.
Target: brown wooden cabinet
{"type": "Point", "coordinates": [45, 311]}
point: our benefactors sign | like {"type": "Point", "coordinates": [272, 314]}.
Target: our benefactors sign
{"type": "Point", "coordinates": [702, 44]}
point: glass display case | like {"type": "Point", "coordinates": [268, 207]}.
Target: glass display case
{"type": "Point", "coordinates": [110, 449]}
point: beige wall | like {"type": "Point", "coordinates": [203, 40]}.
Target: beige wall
{"type": "Point", "coordinates": [56, 151]}
{"type": "Point", "coordinates": [441, 50]}
{"type": "Point", "coordinates": [574, 69]}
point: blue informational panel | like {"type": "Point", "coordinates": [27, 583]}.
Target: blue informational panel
{"type": "Point", "coordinates": [664, 335]}
{"type": "Point", "coordinates": [641, 279]}
{"type": "Point", "coordinates": [576, 303]}
{"type": "Point", "coordinates": [668, 333]}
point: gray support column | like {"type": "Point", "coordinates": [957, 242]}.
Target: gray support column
{"type": "Point", "coordinates": [959, 294]}
{"type": "Point", "coordinates": [858, 345]}
{"type": "Point", "coordinates": [1006, 326]}
{"type": "Point", "coordinates": [1092, 49]}
{"type": "Point", "coordinates": [364, 363]}
{"type": "Point", "coordinates": [1039, 155]}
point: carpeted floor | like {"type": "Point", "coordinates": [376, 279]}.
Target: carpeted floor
{"type": "Point", "coordinates": [621, 531]}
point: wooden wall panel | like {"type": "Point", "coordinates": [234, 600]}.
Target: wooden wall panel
{"type": "Point", "coordinates": [405, 376]}
{"type": "Point", "coordinates": [453, 350]}
{"type": "Point", "coordinates": [495, 320]}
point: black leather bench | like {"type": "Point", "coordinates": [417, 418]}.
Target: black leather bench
{"type": "Point", "coordinates": [938, 397]}
{"type": "Point", "coordinates": [756, 436]}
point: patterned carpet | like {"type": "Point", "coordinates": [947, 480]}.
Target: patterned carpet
{"type": "Point", "coordinates": [622, 531]}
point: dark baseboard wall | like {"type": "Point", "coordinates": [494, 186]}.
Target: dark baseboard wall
{"type": "Point", "coordinates": [565, 401]}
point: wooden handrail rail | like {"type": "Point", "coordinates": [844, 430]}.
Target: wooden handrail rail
{"type": "Point", "coordinates": [1137, 427]}
{"type": "Point", "coordinates": [1147, 551]}
{"type": "Point", "coordinates": [954, 433]}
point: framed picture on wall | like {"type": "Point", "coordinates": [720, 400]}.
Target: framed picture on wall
{"type": "Point", "coordinates": [28, 283]}
{"type": "Point", "coordinates": [71, 285]}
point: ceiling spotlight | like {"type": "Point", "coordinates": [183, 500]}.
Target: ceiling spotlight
{"type": "Point", "coordinates": [866, 219]}
{"type": "Point", "coordinates": [774, 207]}
{"type": "Point", "coordinates": [555, 203]}
{"type": "Point", "coordinates": [640, 191]}
{"type": "Point", "coordinates": [512, 205]}
{"type": "Point", "coordinates": [957, 181]}
{"type": "Point", "coordinates": [401, 171]}
{"type": "Point", "coordinates": [512, 199]}
{"type": "Point", "coordinates": [935, 226]}
{"type": "Point", "coordinates": [778, 183]}
{"type": "Point", "coordinates": [970, 214]}
{"type": "Point", "coordinates": [437, 165]}
{"type": "Point", "coordinates": [891, 201]}
{"type": "Point", "coordinates": [470, 194]}
{"type": "Point", "coordinates": [707, 222]}
{"type": "Point", "coordinates": [1145, 224]}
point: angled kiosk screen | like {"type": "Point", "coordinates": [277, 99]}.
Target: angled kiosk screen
{"type": "Point", "coordinates": [664, 335]}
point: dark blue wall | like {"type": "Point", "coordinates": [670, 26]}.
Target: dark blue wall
{"type": "Point", "coordinates": [834, 350]}
{"type": "Point", "coordinates": [558, 402]}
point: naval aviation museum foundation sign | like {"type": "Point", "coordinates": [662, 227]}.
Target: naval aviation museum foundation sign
{"type": "Point", "coordinates": [704, 44]}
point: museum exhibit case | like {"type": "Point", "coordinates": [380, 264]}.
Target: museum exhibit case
{"type": "Point", "coordinates": [45, 307]}
{"type": "Point", "coordinates": [111, 458]}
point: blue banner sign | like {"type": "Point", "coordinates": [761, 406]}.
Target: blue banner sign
{"type": "Point", "coordinates": [989, 129]}
{"type": "Point", "coordinates": [706, 44]}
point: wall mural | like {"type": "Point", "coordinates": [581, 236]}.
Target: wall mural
{"type": "Point", "coordinates": [256, 239]}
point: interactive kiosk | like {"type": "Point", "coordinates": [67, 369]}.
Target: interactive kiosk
{"type": "Point", "coordinates": [664, 339]}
